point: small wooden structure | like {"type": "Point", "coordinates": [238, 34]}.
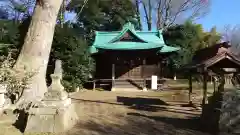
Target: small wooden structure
{"type": "Point", "coordinates": [215, 60]}
{"type": "Point", "coordinates": [129, 56]}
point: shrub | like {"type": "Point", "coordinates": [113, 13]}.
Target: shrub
{"type": "Point", "coordinates": [14, 80]}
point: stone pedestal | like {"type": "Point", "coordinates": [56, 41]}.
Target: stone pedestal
{"type": "Point", "coordinates": [51, 120]}
{"type": "Point", "coordinates": [55, 113]}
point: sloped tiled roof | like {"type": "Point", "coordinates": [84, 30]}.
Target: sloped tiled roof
{"type": "Point", "coordinates": [210, 56]}
{"type": "Point", "coordinates": [148, 40]}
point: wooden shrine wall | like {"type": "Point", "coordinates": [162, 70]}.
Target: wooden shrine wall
{"type": "Point", "coordinates": [126, 67]}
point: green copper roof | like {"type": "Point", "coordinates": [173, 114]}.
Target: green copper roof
{"type": "Point", "coordinates": [166, 49]}
{"type": "Point", "coordinates": [128, 46]}
{"type": "Point", "coordinates": [146, 40]}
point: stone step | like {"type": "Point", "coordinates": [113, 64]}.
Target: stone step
{"type": "Point", "coordinates": [127, 89]}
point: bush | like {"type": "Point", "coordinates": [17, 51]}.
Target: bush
{"type": "Point", "coordinates": [11, 78]}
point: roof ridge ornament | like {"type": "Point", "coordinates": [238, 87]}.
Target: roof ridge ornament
{"type": "Point", "coordinates": [128, 25]}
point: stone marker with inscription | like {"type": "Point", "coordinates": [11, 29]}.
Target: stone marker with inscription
{"type": "Point", "coordinates": [55, 113]}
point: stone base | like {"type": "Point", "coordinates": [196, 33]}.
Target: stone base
{"type": "Point", "coordinates": [51, 120]}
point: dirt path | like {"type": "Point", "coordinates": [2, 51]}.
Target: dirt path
{"type": "Point", "coordinates": [110, 113]}
{"type": "Point", "coordinates": [6, 127]}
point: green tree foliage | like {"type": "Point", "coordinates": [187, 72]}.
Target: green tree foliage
{"type": "Point", "coordinates": [9, 36]}
{"type": "Point", "coordinates": [67, 46]}
{"type": "Point", "coordinates": [212, 37]}
{"type": "Point", "coordinates": [12, 36]}
{"type": "Point", "coordinates": [73, 51]}
{"type": "Point", "coordinates": [8, 32]}
{"type": "Point", "coordinates": [190, 37]}
{"type": "Point", "coordinates": [104, 15]}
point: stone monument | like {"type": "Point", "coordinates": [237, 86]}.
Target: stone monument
{"type": "Point", "coordinates": [55, 113]}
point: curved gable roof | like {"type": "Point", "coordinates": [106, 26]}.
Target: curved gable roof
{"type": "Point", "coordinates": [148, 40]}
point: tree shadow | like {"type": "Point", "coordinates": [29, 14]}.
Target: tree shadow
{"type": "Point", "coordinates": [142, 106]}
{"type": "Point", "coordinates": [21, 122]}
{"type": "Point", "coordinates": [145, 104]}
{"type": "Point", "coordinates": [136, 123]}
{"type": "Point", "coordinates": [140, 101]}
{"type": "Point", "coordinates": [192, 123]}
{"type": "Point", "coordinates": [155, 105]}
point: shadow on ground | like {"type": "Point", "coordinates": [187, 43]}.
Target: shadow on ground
{"type": "Point", "coordinates": [21, 121]}
{"type": "Point", "coordinates": [140, 124]}
{"type": "Point", "coordinates": [192, 123]}
{"type": "Point", "coordinates": [119, 114]}
{"type": "Point", "coordinates": [145, 104]}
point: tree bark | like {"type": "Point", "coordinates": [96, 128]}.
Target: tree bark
{"type": "Point", "coordinates": [138, 14]}
{"type": "Point", "coordinates": [36, 48]}
{"type": "Point", "coordinates": [149, 15]}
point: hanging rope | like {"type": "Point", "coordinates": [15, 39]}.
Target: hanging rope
{"type": "Point", "coordinates": [63, 8]}
{"type": "Point", "coordinates": [78, 14]}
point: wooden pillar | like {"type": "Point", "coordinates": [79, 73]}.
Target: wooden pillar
{"type": "Point", "coordinates": [94, 84]}
{"type": "Point", "coordinates": [159, 69]}
{"type": "Point", "coordinates": [214, 85]}
{"type": "Point", "coordinates": [211, 79]}
{"type": "Point", "coordinates": [222, 83]}
{"type": "Point", "coordinates": [113, 76]}
{"type": "Point", "coordinates": [144, 75]}
{"type": "Point", "coordinates": [190, 90]}
{"type": "Point", "coordinates": [204, 88]}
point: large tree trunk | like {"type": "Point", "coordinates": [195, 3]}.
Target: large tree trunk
{"type": "Point", "coordinates": [37, 45]}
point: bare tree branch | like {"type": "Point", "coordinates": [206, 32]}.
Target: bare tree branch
{"type": "Point", "coordinates": [232, 34]}
{"type": "Point", "coordinates": [169, 11]}
{"type": "Point", "coordinates": [145, 11]}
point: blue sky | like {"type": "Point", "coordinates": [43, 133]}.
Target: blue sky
{"type": "Point", "coordinates": [222, 13]}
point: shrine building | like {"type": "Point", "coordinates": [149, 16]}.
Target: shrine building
{"type": "Point", "coordinates": [129, 58]}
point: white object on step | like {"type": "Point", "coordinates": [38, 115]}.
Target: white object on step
{"type": "Point", "coordinates": [154, 82]}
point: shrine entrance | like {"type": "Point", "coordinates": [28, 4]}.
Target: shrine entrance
{"type": "Point", "coordinates": [129, 68]}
